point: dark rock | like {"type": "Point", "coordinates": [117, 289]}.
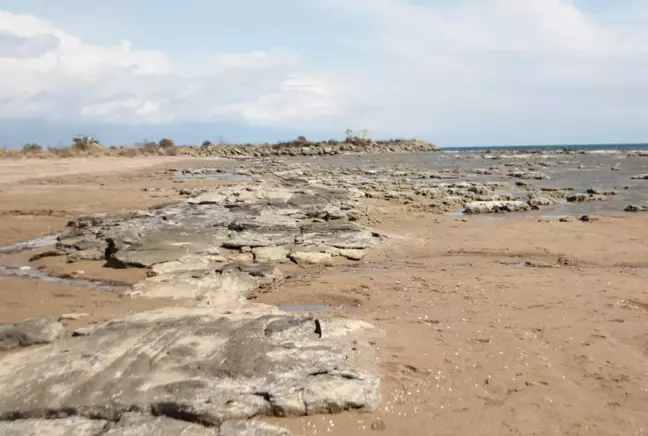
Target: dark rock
{"type": "Point", "coordinates": [378, 425]}
{"type": "Point", "coordinates": [478, 207]}
{"type": "Point", "coordinates": [585, 198]}
{"type": "Point", "coordinates": [48, 253]}
{"type": "Point", "coordinates": [30, 332]}
{"type": "Point", "coordinates": [529, 175]}
{"type": "Point", "coordinates": [134, 424]}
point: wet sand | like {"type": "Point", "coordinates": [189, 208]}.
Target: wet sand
{"type": "Point", "coordinates": [510, 326]}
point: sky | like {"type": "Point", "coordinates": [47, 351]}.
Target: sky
{"type": "Point", "coordinates": [455, 73]}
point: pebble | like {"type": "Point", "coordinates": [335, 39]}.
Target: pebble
{"type": "Point", "coordinates": [378, 425]}
{"type": "Point", "coordinates": [73, 316]}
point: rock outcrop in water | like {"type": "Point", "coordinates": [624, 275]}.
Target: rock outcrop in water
{"type": "Point", "coordinates": [495, 207]}
{"type": "Point", "coordinates": [326, 148]}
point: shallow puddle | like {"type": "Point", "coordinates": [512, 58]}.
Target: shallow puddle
{"type": "Point", "coordinates": [213, 176]}
{"type": "Point", "coordinates": [34, 273]}
{"type": "Point", "coordinates": [30, 245]}
{"type": "Point", "coordinates": [304, 308]}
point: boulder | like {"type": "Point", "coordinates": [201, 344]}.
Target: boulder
{"type": "Point", "coordinates": [310, 255]}
{"type": "Point", "coordinates": [536, 202]}
{"type": "Point", "coordinates": [338, 235]}
{"type": "Point", "coordinates": [278, 254]}
{"type": "Point", "coordinates": [601, 191]}
{"type": "Point", "coordinates": [477, 207]}
{"type": "Point", "coordinates": [529, 175]}
{"type": "Point", "coordinates": [30, 332]}
{"type": "Point", "coordinates": [200, 365]}
{"type": "Point", "coordinates": [228, 285]}
{"type": "Point", "coordinates": [640, 177]}
{"type": "Point", "coordinates": [585, 198]}
{"type": "Point", "coordinates": [352, 254]}
{"type": "Point", "coordinates": [636, 208]}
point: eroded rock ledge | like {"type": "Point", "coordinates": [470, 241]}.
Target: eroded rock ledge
{"type": "Point", "coordinates": [205, 366]}
{"type": "Point", "coordinates": [324, 148]}
{"type": "Point", "coordinates": [210, 369]}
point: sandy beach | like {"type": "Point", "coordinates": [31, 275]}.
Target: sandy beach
{"type": "Point", "coordinates": [530, 322]}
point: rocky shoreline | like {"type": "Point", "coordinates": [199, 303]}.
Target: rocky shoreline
{"type": "Point", "coordinates": [325, 148]}
{"type": "Point", "coordinates": [299, 147]}
{"type": "Point", "coordinates": [227, 358]}
{"type": "Point", "coordinates": [223, 360]}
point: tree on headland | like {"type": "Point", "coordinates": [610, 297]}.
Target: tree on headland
{"type": "Point", "coordinates": [166, 143]}
{"type": "Point", "coordinates": [32, 148]}
{"type": "Point", "coordinates": [206, 144]}
{"type": "Point", "coordinates": [85, 143]}
{"type": "Point", "coordinates": [359, 134]}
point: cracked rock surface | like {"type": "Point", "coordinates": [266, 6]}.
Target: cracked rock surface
{"type": "Point", "coordinates": [30, 332]}
{"type": "Point", "coordinates": [197, 365]}
{"type": "Point", "coordinates": [294, 216]}
{"type": "Point", "coordinates": [133, 424]}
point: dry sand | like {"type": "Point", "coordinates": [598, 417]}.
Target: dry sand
{"type": "Point", "coordinates": [508, 327]}
{"type": "Point", "coordinates": [15, 170]}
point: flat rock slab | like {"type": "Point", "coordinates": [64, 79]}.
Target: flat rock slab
{"type": "Point", "coordinates": [133, 424]}
{"type": "Point", "coordinates": [278, 254]}
{"type": "Point", "coordinates": [226, 286]}
{"type": "Point", "coordinates": [310, 256]}
{"type": "Point", "coordinates": [477, 207]}
{"type": "Point", "coordinates": [585, 198]}
{"type": "Point", "coordinates": [30, 332]}
{"type": "Point", "coordinates": [636, 208]}
{"type": "Point", "coordinates": [183, 236]}
{"type": "Point", "coordinates": [198, 365]}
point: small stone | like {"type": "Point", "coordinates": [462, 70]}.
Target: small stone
{"type": "Point", "coordinates": [477, 207]}
{"type": "Point", "coordinates": [378, 425]}
{"type": "Point", "coordinates": [309, 257]}
{"type": "Point", "coordinates": [636, 208]}
{"type": "Point", "coordinates": [352, 254]}
{"type": "Point", "coordinates": [73, 316]}
{"type": "Point", "coordinates": [271, 254]}
{"type": "Point", "coordinates": [536, 202]}
{"type": "Point", "coordinates": [48, 253]}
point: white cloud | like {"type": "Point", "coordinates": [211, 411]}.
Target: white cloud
{"type": "Point", "coordinates": [256, 60]}
{"type": "Point", "coordinates": [521, 70]}
{"type": "Point", "coordinates": [46, 72]}
{"type": "Point", "coordinates": [464, 71]}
